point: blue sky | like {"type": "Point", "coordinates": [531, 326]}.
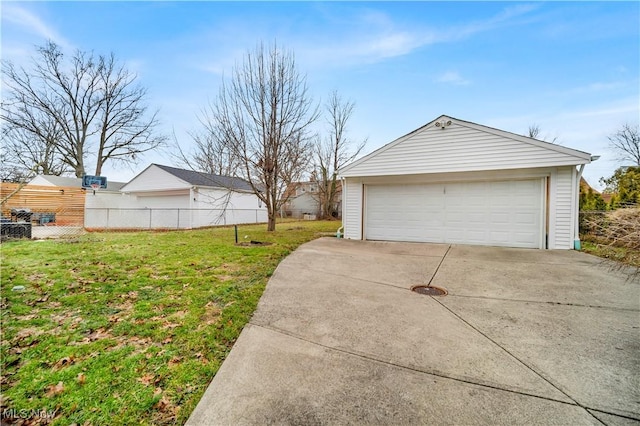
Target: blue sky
{"type": "Point", "coordinates": [569, 67]}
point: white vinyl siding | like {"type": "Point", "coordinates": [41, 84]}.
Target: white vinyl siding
{"type": "Point", "coordinates": [464, 152]}
{"type": "Point", "coordinates": [352, 214]}
{"type": "Point", "coordinates": [153, 178]}
{"type": "Point", "coordinates": [564, 219]}
{"type": "Point", "coordinates": [498, 213]}
{"type": "Point", "coordinates": [559, 199]}
{"type": "Point", "coordinates": [459, 148]}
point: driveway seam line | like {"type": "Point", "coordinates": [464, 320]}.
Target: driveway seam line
{"type": "Point", "coordinates": [518, 359]}
{"type": "Point", "coordinates": [359, 279]}
{"type": "Point", "coordinates": [546, 302]}
{"type": "Point", "coordinates": [404, 367]}
{"type": "Point", "coordinates": [613, 414]}
{"type": "Point", "coordinates": [439, 265]}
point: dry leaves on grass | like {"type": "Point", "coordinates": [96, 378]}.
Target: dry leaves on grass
{"type": "Point", "coordinates": [53, 390]}
{"type": "Point", "coordinates": [149, 379]}
{"type": "Point", "coordinates": [64, 362]}
{"type": "Point", "coordinates": [174, 361]}
{"type": "Point", "coordinates": [21, 336]}
{"type": "Point", "coordinates": [98, 334]}
{"type": "Point", "coordinates": [201, 358]}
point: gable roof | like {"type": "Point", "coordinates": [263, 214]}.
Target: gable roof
{"type": "Point", "coordinates": [207, 179]}
{"type": "Point", "coordinates": [461, 146]}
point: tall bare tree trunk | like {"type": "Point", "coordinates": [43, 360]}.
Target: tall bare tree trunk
{"type": "Point", "coordinates": [261, 116]}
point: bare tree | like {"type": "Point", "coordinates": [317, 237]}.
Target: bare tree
{"type": "Point", "coordinates": [535, 132]}
{"type": "Point", "coordinates": [262, 114]}
{"type": "Point", "coordinates": [334, 152]}
{"type": "Point", "coordinates": [30, 148]}
{"type": "Point", "coordinates": [212, 152]}
{"type": "Point", "coordinates": [626, 144]}
{"type": "Point", "coordinates": [126, 130]}
{"type": "Point", "coordinates": [93, 103]}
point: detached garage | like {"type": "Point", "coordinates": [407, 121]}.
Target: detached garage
{"type": "Point", "coordinates": [452, 181]}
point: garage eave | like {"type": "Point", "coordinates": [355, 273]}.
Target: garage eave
{"type": "Point", "coordinates": [458, 146]}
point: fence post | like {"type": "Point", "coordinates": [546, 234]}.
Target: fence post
{"type": "Point", "coordinates": [178, 224]}
{"type": "Point", "coordinates": [150, 211]}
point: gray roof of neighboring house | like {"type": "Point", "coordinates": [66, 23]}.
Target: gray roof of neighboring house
{"type": "Point", "coordinates": [208, 179]}
{"type": "Point", "coordinates": [74, 181]}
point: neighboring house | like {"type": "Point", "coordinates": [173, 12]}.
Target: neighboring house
{"type": "Point", "coordinates": [585, 187]}
{"type": "Point", "coordinates": [453, 181]}
{"type": "Point", "coordinates": [304, 199]}
{"type": "Point", "coordinates": [188, 199]}
{"type": "Point", "coordinates": [163, 197]}
{"type": "Point", "coordinates": [48, 211]}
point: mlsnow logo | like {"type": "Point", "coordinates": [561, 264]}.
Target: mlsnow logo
{"type": "Point", "coordinates": [13, 413]}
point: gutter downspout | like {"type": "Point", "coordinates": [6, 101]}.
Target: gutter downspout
{"type": "Point", "coordinates": [576, 232]}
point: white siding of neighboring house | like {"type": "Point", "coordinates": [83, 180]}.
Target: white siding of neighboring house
{"type": "Point", "coordinates": [560, 198]}
{"type": "Point", "coordinates": [40, 180]}
{"type": "Point", "coordinates": [305, 203]}
{"type": "Point", "coordinates": [120, 210]}
{"type": "Point", "coordinates": [153, 178]}
{"type": "Point", "coordinates": [461, 147]}
{"type": "Point", "coordinates": [183, 209]}
{"type": "Point", "coordinates": [222, 207]}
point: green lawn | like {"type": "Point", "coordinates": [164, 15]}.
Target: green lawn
{"type": "Point", "coordinates": [623, 255]}
{"type": "Point", "coordinates": [130, 328]}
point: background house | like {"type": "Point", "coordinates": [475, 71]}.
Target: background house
{"type": "Point", "coordinates": [453, 181]}
{"type": "Point", "coordinates": [169, 197]}
{"type": "Point", "coordinates": [163, 197]}
{"type": "Point", "coordinates": [304, 199]}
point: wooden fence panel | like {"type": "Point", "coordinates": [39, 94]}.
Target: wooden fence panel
{"type": "Point", "coordinates": [67, 203]}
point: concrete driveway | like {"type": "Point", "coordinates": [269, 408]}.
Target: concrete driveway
{"type": "Point", "coordinates": [523, 337]}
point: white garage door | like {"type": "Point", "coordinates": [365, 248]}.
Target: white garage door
{"type": "Point", "coordinates": [504, 213]}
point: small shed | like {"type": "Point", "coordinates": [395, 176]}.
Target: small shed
{"type": "Point", "coordinates": [454, 181]}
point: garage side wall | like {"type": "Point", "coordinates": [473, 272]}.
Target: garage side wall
{"type": "Point", "coordinates": [563, 220]}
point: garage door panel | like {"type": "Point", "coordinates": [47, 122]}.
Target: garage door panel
{"type": "Point", "coordinates": [505, 213]}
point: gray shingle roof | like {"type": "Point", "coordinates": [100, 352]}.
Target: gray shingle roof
{"type": "Point", "coordinates": [207, 179]}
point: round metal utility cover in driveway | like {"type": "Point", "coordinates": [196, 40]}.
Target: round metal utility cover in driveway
{"type": "Point", "coordinates": [429, 290]}
{"type": "Point", "coordinates": [499, 213]}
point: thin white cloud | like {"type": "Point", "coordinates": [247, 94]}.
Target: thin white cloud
{"type": "Point", "coordinates": [597, 87]}
{"type": "Point", "coordinates": [376, 37]}
{"type": "Point", "coordinates": [19, 16]}
{"type": "Point", "coordinates": [453, 77]}
{"type": "Point", "coordinates": [371, 36]}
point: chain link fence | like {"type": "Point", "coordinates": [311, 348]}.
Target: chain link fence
{"type": "Point", "coordinates": [168, 218]}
